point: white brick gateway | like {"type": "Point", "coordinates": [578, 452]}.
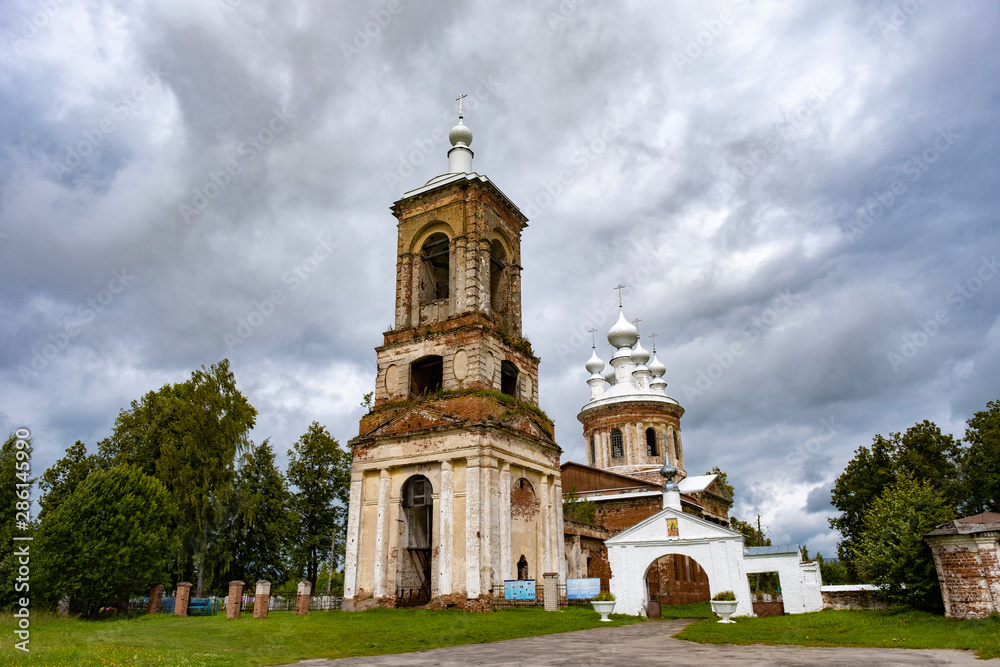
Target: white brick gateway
{"type": "Point", "coordinates": [719, 551]}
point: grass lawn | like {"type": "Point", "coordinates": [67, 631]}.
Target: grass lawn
{"type": "Point", "coordinates": [212, 641]}
{"type": "Point", "coordinates": [875, 629]}
{"type": "Point", "coordinates": [696, 610]}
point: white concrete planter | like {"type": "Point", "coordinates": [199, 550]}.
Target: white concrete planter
{"type": "Point", "coordinates": [605, 607]}
{"type": "Point", "coordinates": [725, 609]}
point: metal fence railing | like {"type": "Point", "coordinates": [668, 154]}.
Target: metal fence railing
{"type": "Point", "coordinates": [501, 602]}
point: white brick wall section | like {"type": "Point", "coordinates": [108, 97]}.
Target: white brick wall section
{"type": "Point", "coordinates": [353, 547]}
{"type": "Point", "coordinates": [446, 505]}
{"type": "Point", "coordinates": [381, 526]}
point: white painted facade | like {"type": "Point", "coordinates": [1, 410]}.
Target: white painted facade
{"type": "Point", "coordinates": [719, 551]}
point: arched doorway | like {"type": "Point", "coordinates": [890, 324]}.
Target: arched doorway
{"type": "Point", "coordinates": [676, 579]}
{"type": "Point", "coordinates": [414, 587]}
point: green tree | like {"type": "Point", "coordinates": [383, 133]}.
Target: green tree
{"type": "Point", "coordinates": [109, 539]}
{"type": "Point", "coordinates": [864, 479]}
{"type": "Point", "coordinates": [578, 509]}
{"type": "Point", "coordinates": [832, 571]}
{"type": "Point", "coordinates": [752, 536]}
{"type": "Point", "coordinates": [261, 524]}
{"type": "Point", "coordinates": [59, 481]}
{"type": "Point", "coordinates": [891, 551]}
{"type": "Point", "coordinates": [982, 460]}
{"type": "Point", "coordinates": [321, 473]}
{"type": "Point", "coordinates": [188, 435]}
{"type": "Point", "coordinates": [15, 469]}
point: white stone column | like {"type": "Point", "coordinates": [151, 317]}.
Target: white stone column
{"type": "Point", "coordinates": [545, 550]}
{"type": "Point", "coordinates": [485, 526]}
{"type": "Point", "coordinates": [506, 562]}
{"type": "Point", "coordinates": [494, 542]}
{"type": "Point", "coordinates": [381, 538]}
{"type": "Point", "coordinates": [473, 501]}
{"type": "Point", "coordinates": [355, 509]}
{"type": "Point", "coordinates": [446, 519]}
{"type": "Point", "coordinates": [560, 541]}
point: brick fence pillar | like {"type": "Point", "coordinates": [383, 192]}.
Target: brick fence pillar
{"type": "Point", "coordinates": [262, 596]}
{"type": "Point", "coordinates": [182, 599]}
{"type": "Point", "coordinates": [550, 589]}
{"type": "Point", "coordinates": [235, 603]}
{"type": "Point", "coordinates": [302, 600]}
{"type": "Point", "coordinates": [155, 599]}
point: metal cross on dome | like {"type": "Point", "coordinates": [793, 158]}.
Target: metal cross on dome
{"type": "Point", "coordinates": [459, 100]}
{"type": "Point", "coordinates": [593, 338]}
{"type": "Point", "coordinates": [620, 287]}
{"type": "Point", "coordinates": [636, 323]}
{"type": "Point", "coordinates": [653, 336]}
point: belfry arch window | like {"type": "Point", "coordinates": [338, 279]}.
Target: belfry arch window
{"type": "Point", "coordinates": [426, 375]}
{"type": "Point", "coordinates": [434, 268]}
{"type": "Point", "coordinates": [617, 447]}
{"type": "Point", "coordinates": [498, 274]}
{"type": "Point", "coordinates": [508, 378]}
{"type": "Point", "coordinates": [417, 505]}
{"type": "Point", "coordinates": [651, 449]}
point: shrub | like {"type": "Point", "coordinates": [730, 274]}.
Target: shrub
{"type": "Point", "coordinates": [725, 596]}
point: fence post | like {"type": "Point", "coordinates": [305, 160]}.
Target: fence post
{"type": "Point", "coordinates": [302, 601]}
{"type": "Point", "coordinates": [235, 603]}
{"type": "Point", "coordinates": [182, 599]}
{"type": "Point", "coordinates": [550, 589]}
{"type": "Point", "coordinates": [262, 598]}
{"type": "Point", "coordinates": [155, 599]}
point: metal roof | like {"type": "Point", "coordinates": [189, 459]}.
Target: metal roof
{"type": "Point", "coordinates": [771, 551]}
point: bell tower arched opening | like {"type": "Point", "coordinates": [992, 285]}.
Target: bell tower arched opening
{"type": "Point", "coordinates": [426, 375]}
{"type": "Point", "coordinates": [435, 269]}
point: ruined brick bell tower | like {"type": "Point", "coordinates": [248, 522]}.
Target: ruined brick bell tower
{"type": "Point", "coordinates": [455, 472]}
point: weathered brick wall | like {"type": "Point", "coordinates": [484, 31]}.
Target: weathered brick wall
{"type": "Point", "coordinates": [969, 573]}
{"type": "Point", "coordinates": [677, 579]}
{"type": "Point", "coordinates": [852, 600]}
{"type": "Point", "coordinates": [617, 515]}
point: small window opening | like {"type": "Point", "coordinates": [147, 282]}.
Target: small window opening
{"type": "Point", "coordinates": [617, 449]}
{"type": "Point", "coordinates": [426, 375]}
{"type": "Point", "coordinates": [435, 269]}
{"type": "Point", "coordinates": [508, 378]}
{"type": "Point", "coordinates": [593, 451]}
{"type": "Point", "coordinates": [651, 442]}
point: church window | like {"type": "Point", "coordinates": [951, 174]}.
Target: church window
{"type": "Point", "coordinates": [508, 378]}
{"type": "Point", "coordinates": [498, 271]}
{"type": "Point", "coordinates": [617, 448]}
{"type": "Point", "coordinates": [593, 451]}
{"type": "Point", "coordinates": [426, 375]}
{"type": "Point", "coordinates": [434, 272]}
{"type": "Point", "coordinates": [677, 445]}
{"type": "Point", "coordinates": [651, 442]}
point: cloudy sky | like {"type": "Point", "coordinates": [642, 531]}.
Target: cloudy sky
{"type": "Point", "coordinates": [802, 201]}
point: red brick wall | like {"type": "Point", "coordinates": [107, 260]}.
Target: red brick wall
{"type": "Point", "coordinates": [967, 575]}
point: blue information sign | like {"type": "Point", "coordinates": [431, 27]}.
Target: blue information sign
{"type": "Point", "coordinates": [519, 589]}
{"type": "Point", "coordinates": [582, 589]}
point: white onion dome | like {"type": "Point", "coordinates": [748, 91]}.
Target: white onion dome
{"type": "Point", "coordinates": [623, 333]}
{"type": "Point", "coordinates": [609, 375]}
{"type": "Point", "coordinates": [460, 135]}
{"type": "Point", "coordinates": [657, 368]}
{"type": "Point", "coordinates": [639, 355]}
{"type": "Point", "coordinates": [595, 365]}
